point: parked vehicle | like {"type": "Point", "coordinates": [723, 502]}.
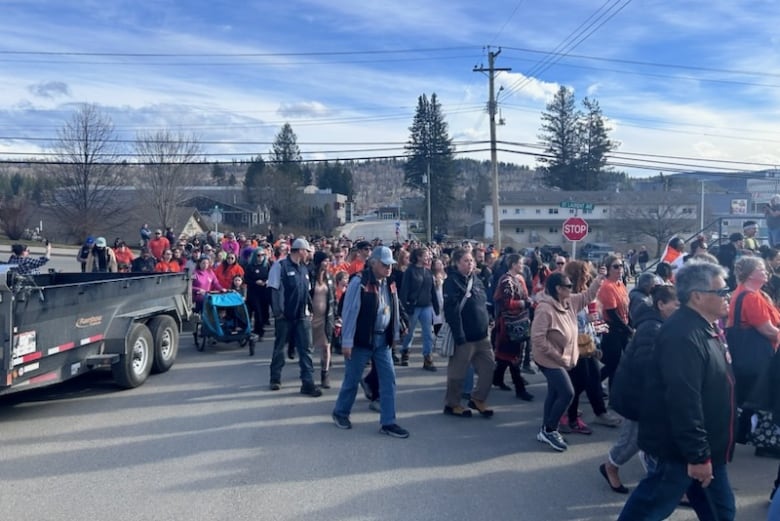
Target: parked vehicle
{"type": "Point", "coordinates": [595, 251]}
{"type": "Point", "coordinates": [57, 326]}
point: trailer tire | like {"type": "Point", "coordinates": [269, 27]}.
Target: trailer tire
{"type": "Point", "coordinates": [135, 364]}
{"type": "Point", "coordinates": [165, 332]}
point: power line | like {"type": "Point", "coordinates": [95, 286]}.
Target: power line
{"type": "Point", "coordinates": [574, 39]}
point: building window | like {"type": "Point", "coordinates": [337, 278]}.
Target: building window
{"type": "Point", "coordinates": [519, 230]}
{"type": "Point", "coordinates": [552, 211]}
{"type": "Point", "coordinates": [518, 211]}
{"type": "Point", "coordinates": [687, 211]}
{"type": "Point", "coordinates": [604, 210]}
{"type": "Point", "coordinates": [538, 211]}
{"type": "Point", "coordinates": [587, 212]}
{"type": "Point", "coordinates": [503, 212]}
{"type": "Point", "coordinates": [553, 229]}
{"type": "Point", "coordinates": [571, 211]}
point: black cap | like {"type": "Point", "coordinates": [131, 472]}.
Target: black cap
{"type": "Point", "coordinates": [362, 244]}
{"type": "Point", "coordinates": [734, 237]}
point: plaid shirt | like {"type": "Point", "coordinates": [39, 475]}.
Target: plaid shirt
{"type": "Point", "coordinates": [27, 265]}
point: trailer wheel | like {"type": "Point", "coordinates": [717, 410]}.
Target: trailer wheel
{"type": "Point", "coordinates": [135, 365]}
{"type": "Point", "coordinates": [165, 332]}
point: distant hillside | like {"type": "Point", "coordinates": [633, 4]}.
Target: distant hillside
{"type": "Point", "coordinates": [376, 183]}
{"type": "Point", "coordinates": [381, 182]}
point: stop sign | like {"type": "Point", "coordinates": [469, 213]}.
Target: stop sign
{"type": "Point", "coordinates": [575, 228]}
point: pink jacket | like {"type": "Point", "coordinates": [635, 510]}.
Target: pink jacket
{"type": "Point", "coordinates": [554, 329]}
{"type": "Point", "coordinates": [204, 281]}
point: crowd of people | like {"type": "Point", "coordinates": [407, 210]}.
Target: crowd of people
{"type": "Point", "coordinates": [654, 363]}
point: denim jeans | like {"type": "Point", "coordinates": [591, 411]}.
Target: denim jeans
{"type": "Point", "coordinates": [774, 509]}
{"type": "Point", "coordinates": [659, 493]}
{"type": "Point", "coordinates": [774, 237]}
{"type": "Point", "coordinates": [626, 446]}
{"type": "Point", "coordinates": [560, 393]}
{"type": "Point", "coordinates": [425, 317]}
{"type": "Point", "coordinates": [380, 354]}
{"type": "Point", "coordinates": [301, 331]}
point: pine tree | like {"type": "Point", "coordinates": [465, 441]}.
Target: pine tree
{"type": "Point", "coordinates": [430, 149]}
{"type": "Point", "coordinates": [576, 145]}
{"type": "Point", "coordinates": [287, 156]}
{"type": "Point", "coordinates": [560, 135]}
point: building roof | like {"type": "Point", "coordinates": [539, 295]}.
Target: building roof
{"type": "Point", "coordinates": [550, 197]}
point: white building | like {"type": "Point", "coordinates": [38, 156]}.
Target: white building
{"type": "Point", "coordinates": [536, 218]}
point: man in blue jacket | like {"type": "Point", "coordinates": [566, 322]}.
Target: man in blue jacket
{"type": "Point", "coordinates": [371, 323]}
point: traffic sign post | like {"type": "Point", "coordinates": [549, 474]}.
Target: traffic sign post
{"type": "Point", "coordinates": [575, 229]}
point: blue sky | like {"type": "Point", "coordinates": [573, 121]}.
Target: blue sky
{"type": "Point", "coordinates": [695, 82]}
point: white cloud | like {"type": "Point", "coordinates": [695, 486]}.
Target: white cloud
{"type": "Point", "coordinates": [49, 89]}
{"type": "Point", "coordinates": [303, 109]}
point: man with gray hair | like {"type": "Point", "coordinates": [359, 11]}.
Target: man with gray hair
{"type": "Point", "coordinates": [687, 416]}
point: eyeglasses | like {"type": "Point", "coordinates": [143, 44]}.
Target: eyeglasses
{"type": "Point", "coordinates": [617, 266]}
{"type": "Point", "coordinates": [721, 292]}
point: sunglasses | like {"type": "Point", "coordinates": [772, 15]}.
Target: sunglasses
{"type": "Point", "coordinates": [617, 266]}
{"type": "Point", "coordinates": [567, 286]}
{"type": "Point", "coordinates": [721, 292]}
{"type": "Point", "coordinates": [560, 263]}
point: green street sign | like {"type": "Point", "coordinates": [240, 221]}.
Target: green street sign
{"type": "Point", "coordinates": [577, 206]}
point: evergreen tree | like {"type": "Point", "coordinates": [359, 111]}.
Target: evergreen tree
{"type": "Point", "coordinates": [576, 145]}
{"type": "Point", "coordinates": [218, 174]}
{"type": "Point", "coordinates": [253, 178]}
{"type": "Point", "coordinates": [287, 156]}
{"type": "Point", "coordinates": [335, 176]}
{"type": "Point", "coordinates": [430, 149]}
{"type": "Point", "coordinates": [594, 147]}
{"type": "Point", "coordinates": [560, 135]}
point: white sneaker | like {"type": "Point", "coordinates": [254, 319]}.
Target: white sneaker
{"type": "Point", "coordinates": [553, 439]}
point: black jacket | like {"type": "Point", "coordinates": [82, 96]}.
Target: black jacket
{"type": "Point", "coordinates": [688, 408]}
{"type": "Point", "coordinates": [638, 303]}
{"type": "Point", "coordinates": [472, 323]}
{"type": "Point", "coordinates": [417, 290]}
{"type": "Point", "coordinates": [727, 257]}
{"type": "Point", "coordinates": [628, 385]}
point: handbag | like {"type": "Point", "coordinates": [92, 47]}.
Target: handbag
{"type": "Point", "coordinates": [750, 350]}
{"type": "Point", "coordinates": [586, 345]}
{"type": "Point", "coordinates": [444, 343]}
{"type": "Point", "coordinates": [518, 327]}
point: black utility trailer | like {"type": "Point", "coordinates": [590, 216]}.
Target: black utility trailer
{"type": "Point", "coordinates": [56, 326]}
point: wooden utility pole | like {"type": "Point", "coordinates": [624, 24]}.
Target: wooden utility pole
{"type": "Point", "coordinates": [492, 109]}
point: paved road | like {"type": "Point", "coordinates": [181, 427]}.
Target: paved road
{"type": "Point", "coordinates": [207, 441]}
{"type": "Point", "coordinates": [385, 230]}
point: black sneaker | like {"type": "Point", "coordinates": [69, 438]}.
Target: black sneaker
{"type": "Point", "coordinates": [553, 439]}
{"type": "Point", "coordinates": [394, 430]}
{"type": "Point", "coordinates": [275, 386]}
{"type": "Point", "coordinates": [311, 390]}
{"type": "Point", "coordinates": [342, 422]}
{"type": "Point", "coordinates": [404, 359]}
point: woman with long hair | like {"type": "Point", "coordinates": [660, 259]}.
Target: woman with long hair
{"type": "Point", "coordinates": [512, 303]}
{"type": "Point", "coordinates": [613, 298]}
{"type": "Point", "coordinates": [555, 350]}
{"type": "Point", "coordinates": [323, 320]}
{"type": "Point", "coordinates": [585, 375]}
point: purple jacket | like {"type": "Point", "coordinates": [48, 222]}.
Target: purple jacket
{"type": "Point", "coordinates": [202, 283]}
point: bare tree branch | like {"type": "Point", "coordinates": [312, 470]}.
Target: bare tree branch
{"type": "Point", "coordinates": [90, 177]}
{"type": "Point", "coordinates": [168, 175]}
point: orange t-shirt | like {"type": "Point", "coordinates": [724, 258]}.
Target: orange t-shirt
{"type": "Point", "coordinates": [356, 266]}
{"type": "Point", "coordinates": [613, 295]}
{"type": "Point", "coordinates": [757, 309]}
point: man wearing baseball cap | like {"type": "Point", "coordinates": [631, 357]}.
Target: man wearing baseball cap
{"type": "Point", "coordinates": [362, 251]}
{"type": "Point", "coordinates": [292, 308]}
{"type": "Point", "coordinates": [371, 325]}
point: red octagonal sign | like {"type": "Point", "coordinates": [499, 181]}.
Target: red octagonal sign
{"type": "Point", "coordinates": [575, 228]}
